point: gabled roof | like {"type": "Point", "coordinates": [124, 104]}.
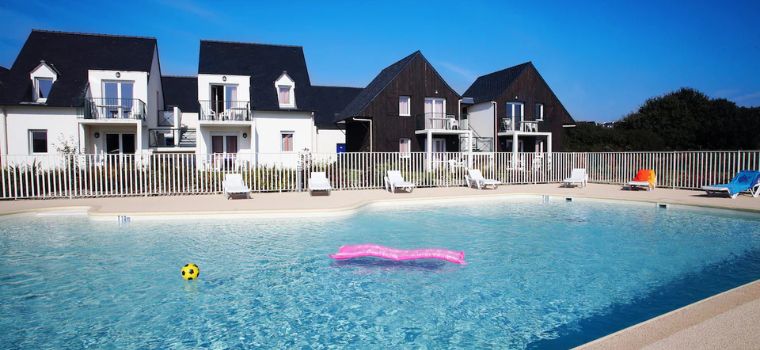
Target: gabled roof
{"type": "Point", "coordinates": [264, 64]}
{"type": "Point", "coordinates": [329, 101]}
{"type": "Point", "coordinates": [181, 92]}
{"type": "Point", "coordinates": [490, 86]}
{"type": "Point", "coordinates": [366, 96]}
{"type": "Point", "coordinates": [3, 75]}
{"type": "Point", "coordinates": [72, 55]}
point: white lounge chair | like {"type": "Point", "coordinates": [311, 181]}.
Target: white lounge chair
{"type": "Point", "coordinates": [319, 182]}
{"type": "Point", "coordinates": [744, 181]}
{"type": "Point", "coordinates": [233, 184]}
{"type": "Point", "coordinates": [394, 180]}
{"type": "Point", "coordinates": [475, 177]}
{"type": "Point", "coordinates": [578, 176]}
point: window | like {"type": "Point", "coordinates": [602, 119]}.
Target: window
{"type": "Point", "coordinates": [43, 86]}
{"type": "Point", "coordinates": [287, 141]}
{"type": "Point", "coordinates": [514, 114]}
{"type": "Point", "coordinates": [403, 106]}
{"type": "Point", "coordinates": [118, 99]}
{"type": "Point", "coordinates": [284, 95]}
{"type": "Point", "coordinates": [285, 88]}
{"type": "Point", "coordinates": [224, 144]}
{"type": "Point", "coordinates": [539, 111]}
{"type": "Point", "coordinates": [38, 141]}
{"type": "Point", "coordinates": [405, 147]}
{"type": "Point", "coordinates": [435, 107]}
{"type": "Point", "coordinates": [120, 143]}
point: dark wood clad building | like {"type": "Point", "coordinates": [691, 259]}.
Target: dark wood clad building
{"type": "Point", "coordinates": [375, 120]}
{"type": "Point", "coordinates": [517, 104]}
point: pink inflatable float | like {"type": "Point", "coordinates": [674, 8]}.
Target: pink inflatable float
{"type": "Point", "coordinates": [362, 250]}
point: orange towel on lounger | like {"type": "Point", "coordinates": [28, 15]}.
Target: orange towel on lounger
{"type": "Point", "coordinates": [645, 175]}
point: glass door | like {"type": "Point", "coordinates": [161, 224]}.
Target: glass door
{"type": "Point", "coordinates": [118, 98]}
{"type": "Point", "coordinates": [515, 114]}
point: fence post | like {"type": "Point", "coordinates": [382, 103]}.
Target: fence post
{"type": "Point", "coordinates": [673, 171]}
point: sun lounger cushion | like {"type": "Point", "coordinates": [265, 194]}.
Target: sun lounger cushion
{"type": "Point", "coordinates": [745, 180]}
{"type": "Point", "coordinates": [644, 178]}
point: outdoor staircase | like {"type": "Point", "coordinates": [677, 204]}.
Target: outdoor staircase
{"type": "Point", "coordinates": [479, 143]}
{"type": "Point", "coordinates": [187, 137]}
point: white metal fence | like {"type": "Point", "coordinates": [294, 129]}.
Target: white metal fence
{"type": "Point", "coordinates": [76, 176]}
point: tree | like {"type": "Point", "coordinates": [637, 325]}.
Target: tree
{"type": "Point", "coordinates": [682, 120]}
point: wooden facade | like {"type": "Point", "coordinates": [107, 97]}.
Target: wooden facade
{"type": "Point", "coordinates": [530, 89]}
{"type": "Point", "coordinates": [418, 80]}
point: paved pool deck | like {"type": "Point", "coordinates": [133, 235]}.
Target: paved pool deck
{"type": "Point", "coordinates": [726, 321]}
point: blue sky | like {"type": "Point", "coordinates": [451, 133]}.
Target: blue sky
{"type": "Point", "coordinates": [602, 59]}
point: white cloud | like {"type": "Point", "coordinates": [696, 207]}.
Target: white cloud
{"type": "Point", "coordinates": [747, 97]}
{"type": "Point", "coordinates": [467, 74]}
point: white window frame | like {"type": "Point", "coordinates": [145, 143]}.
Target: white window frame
{"type": "Point", "coordinates": [224, 137]}
{"type": "Point", "coordinates": [408, 142]}
{"type": "Point", "coordinates": [522, 113]}
{"type": "Point", "coordinates": [292, 141]}
{"type": "Point", "coordinates": [37, 88]}
{"type": "Point", "coordinates": [284, 81]}
{"type": "Point", "coordinates": [31, 141]}
{"type": "Point", "coordinates": [432, 113]}
{"type": "Point", "coordinates": [42, 71]}
{"type": "Point", "coordinates": [408, 106]}
{"type": "Point", "coordinates": [539, 112]}
{"type": "Point", "coordinates": [121, 141]}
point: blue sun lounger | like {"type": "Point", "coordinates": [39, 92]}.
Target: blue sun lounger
{"type": "Point", "coordinates": [746, 180]}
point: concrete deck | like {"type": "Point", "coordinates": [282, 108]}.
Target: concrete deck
{"type": "Point", "coordinates": [725, 321]}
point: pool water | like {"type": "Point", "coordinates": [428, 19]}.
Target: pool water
{"type": "Point", "coordinates": [539, 275]}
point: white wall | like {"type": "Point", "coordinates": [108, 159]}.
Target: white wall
{"type": "Point", "coordinates": [270, 125]}
{"type": "Point", "coordinates": [203, 137]}
{"type": "Point", "coordinates": [155, 98]}
{"type": "Point", "coordinates": [327, 140]}
{"type": "Point", "coordinates": [481, 118]}
{"type": "Point", "coordinates": [190, 120]}
{"type": "Point", "coordinates": [60, 123]}
{"type": "Point", "coordinates": [140, 80]}
{"type": "Point", "coordinates": [243, 83]}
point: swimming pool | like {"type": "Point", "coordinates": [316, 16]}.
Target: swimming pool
{"type": "Point", "coordinates": [539, 275]}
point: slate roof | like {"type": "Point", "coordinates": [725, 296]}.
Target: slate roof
{"type": "Point", "coordinates": [329, 101]}
{"type": "Point", "coordinates": [3, 74]}
{"type": "Point", "coordinates": [490, 86]}
{"type": "Point", "coordinates": [264, 64]}
{"type": "Point", "coordinates": [366, 96]}
{"type": "Point", "coordinates": [181, 92]}
{"type": "Point", "coordinates": [72, 54]}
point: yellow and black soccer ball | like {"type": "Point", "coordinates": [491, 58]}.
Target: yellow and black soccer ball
{"type": "Point", "coordinates": [190, 272]}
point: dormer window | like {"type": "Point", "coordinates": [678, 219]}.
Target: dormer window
{"type": "Point", "coordinates": [43, 86]}
{"type": "Point", "coordinates": [43, 78]}
{"type": "Point", "coordinates": [286, 94]}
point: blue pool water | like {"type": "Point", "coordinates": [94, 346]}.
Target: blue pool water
{"type": "Point", "coordinates": [539, 276]}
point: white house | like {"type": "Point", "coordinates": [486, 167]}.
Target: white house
{"type": "Point", "coordinates": [89, 93]}
{"type": "Point", "coordinates": [104, 94]}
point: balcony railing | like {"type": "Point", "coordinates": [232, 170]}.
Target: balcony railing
{"type": "Point", "coordinates": [507, 124]}
{"type": "Point", "coordinates": [440, 121]}
{"type": "Point", "coordinates": [114, 108]}
{"type": "Point", "coordinates": [224, 110]}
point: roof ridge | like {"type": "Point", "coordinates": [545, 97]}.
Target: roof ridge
{"type": "Point", "coordinates": [179, 76]}
{"type": "Point", "coordinates": [506, 69]}
{"type": "Point", "coordinates": [246, 43]}
{"type": "Point", "coordinates": [329, 86]}
{"type": "Point", "coordinates": [94, 34]}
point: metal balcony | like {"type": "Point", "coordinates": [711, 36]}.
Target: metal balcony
{"type": "Point", "coordinates": [218, 110]}
{"type": "Point", "coordinates": [440, 121]}
{"type": "Point", "coordinates": [507, 124]}
{"type": "Point", "coordinates": [114, 108]}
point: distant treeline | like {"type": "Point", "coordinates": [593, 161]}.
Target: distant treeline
{"type": "Point", "coordinates": [679, 121]}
